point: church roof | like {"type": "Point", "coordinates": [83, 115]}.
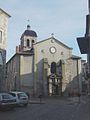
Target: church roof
{"type": "Point", "coordinates": [56, 41]}
{"type": "Point", "coordinates": [75, 57]}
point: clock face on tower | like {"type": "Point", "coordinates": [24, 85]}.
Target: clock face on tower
{"type": "Point", "coordinates": [52, 49]}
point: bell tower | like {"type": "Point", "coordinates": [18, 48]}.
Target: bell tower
{"type": "Point", "coordinates": [28, 38]}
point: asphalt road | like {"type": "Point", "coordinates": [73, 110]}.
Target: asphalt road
{"type": "Point", "coordinates": [50, 109]}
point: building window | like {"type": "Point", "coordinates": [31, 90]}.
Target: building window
{"type": "Point", "coordinates": [0, 36]}
{"type": "Point", "coordinates": [61, 53]}
{"type": "Point", "coordinates": [53, 67]}
{"type": "Point", "coordinates": [42, 50]}
{"type": "Point", "coordinates": [52, 41]}
{"type": "Point", "coordinates": [32, 41]}
{"type": "Point", "coordinates": [1, 59]}
{"type": "Point", "coordinates": [28, 42]}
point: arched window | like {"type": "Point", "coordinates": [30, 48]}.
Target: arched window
{"type": "Point", "coordinates": [53, 67]}
{"type": "Point", "coordinates": [32, 41]}
{"type": "Point", "coordinates": [28, 44]}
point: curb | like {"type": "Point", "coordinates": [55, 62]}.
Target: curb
{"type": "Point", "coordinates": [36, 102]}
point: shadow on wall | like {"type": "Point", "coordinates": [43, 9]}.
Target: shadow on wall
{"type": "Point", "coordinates": [73, 88]}
{"type": "Point", "coordinates": [27, 84]}
{"type": "Point", "coordinates": [33, 83]}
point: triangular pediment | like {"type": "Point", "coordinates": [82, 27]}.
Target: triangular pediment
{"type": "Point", "coordinates": [52, 39]}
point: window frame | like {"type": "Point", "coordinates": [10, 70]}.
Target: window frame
{"type": "Point", "coordinates": [0, 36]}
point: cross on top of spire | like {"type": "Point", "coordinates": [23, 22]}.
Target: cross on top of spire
{"type": "Point", "coordinates": [28, 26]}
{"type": "Point", "coordinates": [52, 34]}
{"type": "Point", "coordinates": [28, 20]}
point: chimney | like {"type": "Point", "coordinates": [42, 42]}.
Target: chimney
{"type": "Point", "coordinates": [17, 49]}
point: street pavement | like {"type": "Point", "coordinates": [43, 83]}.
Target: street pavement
{"type": "Point", "coordinates": [59, 108]}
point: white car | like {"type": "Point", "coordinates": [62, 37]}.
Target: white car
{"type": "Point", "coordinates": [7, 101]}
{"type": "Point", "coordinates": [21, 98]}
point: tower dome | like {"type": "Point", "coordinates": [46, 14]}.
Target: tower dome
{"type": "Point", "coordinates": [29, 32]}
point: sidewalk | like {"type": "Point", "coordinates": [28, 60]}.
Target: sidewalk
{"type": "Point", "coordinates": [81, 105]}
{"type": "Point", "coordinates": [82, 111]}
{"type": "Point", "coordinates": [37, 101]}
{"type": "Point", "coordinates": [69, 100]}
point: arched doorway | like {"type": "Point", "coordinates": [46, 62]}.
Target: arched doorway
{"type": "Point", "coordinates": [55, 80]}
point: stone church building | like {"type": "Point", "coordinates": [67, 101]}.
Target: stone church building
{"type": "Point", "coordinates": [47, 67]}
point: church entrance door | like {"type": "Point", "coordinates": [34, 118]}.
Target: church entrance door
{"type": "Point", "coordinates": [54, 85]}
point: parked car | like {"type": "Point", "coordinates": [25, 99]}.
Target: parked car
{"type": "Point", "coordinates": [7, 101]}
{"type": "Point", "coordinates": [21, 98]}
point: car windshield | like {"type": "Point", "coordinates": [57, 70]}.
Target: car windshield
{"type": "Point", "coordinates": [13, 94]}
{"type": "Point", "coordinates": [21, 95]}
{"type": "Point", "coordinates": [6, 96]}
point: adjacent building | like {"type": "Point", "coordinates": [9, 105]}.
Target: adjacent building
{"type": "Point", "coordinates": [47, 67]}
{"type": "Point", "coordinates": [3, 41]}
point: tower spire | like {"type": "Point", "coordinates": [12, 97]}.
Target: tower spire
{"type": "Point", "coordinates": [28, 26]}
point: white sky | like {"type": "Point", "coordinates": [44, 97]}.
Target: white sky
{"type": "Point", "coordinates": [65, 18]}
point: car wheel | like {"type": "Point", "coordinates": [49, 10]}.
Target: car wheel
{"type": "Point", "coordinates": [25, 105]}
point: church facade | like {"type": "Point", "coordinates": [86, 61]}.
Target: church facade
{"type": "Point", "coordinates": [47, 67]}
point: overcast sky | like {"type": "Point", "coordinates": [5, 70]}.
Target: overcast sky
{"type": "Point", "coordinates": [65, 18]}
